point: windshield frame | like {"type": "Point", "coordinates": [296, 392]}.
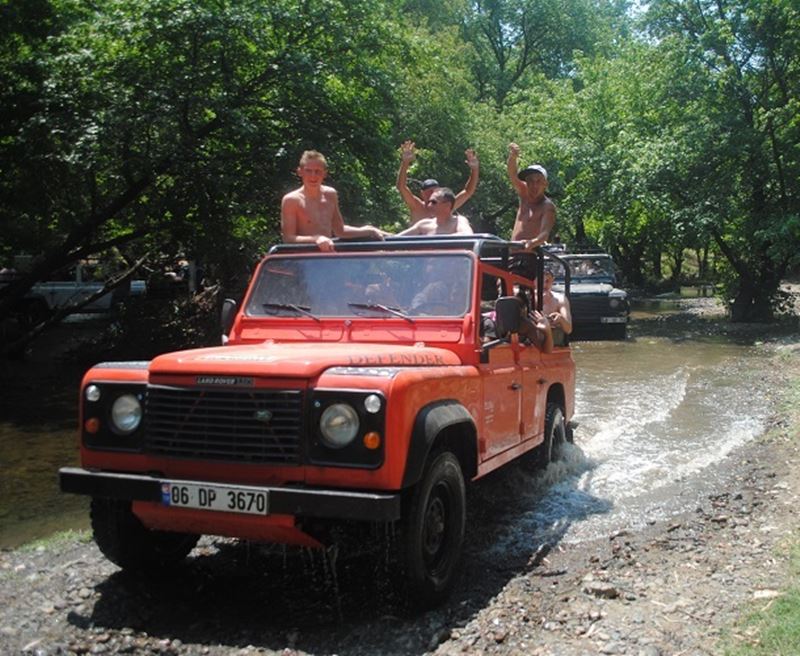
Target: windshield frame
{"type": "Point", "coordinates": [605, 277]}
{"type": "Point", "coordinates": [357, 305]}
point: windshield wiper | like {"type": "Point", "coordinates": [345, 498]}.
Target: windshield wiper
{"type": "Point", "coordinates": [383, 308]}
{"type": "Point", "coordinates": [300, 309]}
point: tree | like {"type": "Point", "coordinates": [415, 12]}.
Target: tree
{"type": "Point", "coordinates": [141, 125]}
{"type": "Point", "coordinates": [519, 43]}
{"type": "Point", "coordinates": [740, 93]}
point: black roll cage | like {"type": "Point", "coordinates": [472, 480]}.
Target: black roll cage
{"type": "Point", "coordinates": [487, 248]}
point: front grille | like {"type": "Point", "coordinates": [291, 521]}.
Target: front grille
{"type": "Point", "coordinates": [254, 426]}
{"type": "Point", "coordinates": [589, 308]}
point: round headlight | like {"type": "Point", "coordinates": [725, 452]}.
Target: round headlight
{"type": "Point", "coordinates": [126, 414]}
{"type": "Point", "coordinates": [372, 404]}
{"type": "Point", "coordinates": [338, 425]}
{"type": "Point", "coordinates": [92, 393]}
{"type": "Point", "coordinates": [614, 302]}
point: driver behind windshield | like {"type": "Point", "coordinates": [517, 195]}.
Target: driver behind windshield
{"type": "Point", "coordinates": [443, 289]}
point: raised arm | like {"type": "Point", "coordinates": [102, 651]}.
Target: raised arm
{"type": "Point", "coordinates": [466, 193]}
{"type": "Point", "coordinates": [407, 156]}
{"type": "Point", "coordinates": [513, 169]}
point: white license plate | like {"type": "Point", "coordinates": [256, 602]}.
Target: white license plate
{"type": "Point", "coordinates": [223, 498]}
{"type": "Point", "coordinates": [613, 320]}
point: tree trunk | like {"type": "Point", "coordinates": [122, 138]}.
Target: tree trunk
{"type": "Point", "coordinates": [657, 273]}
{"type": "Point", "coordinates": [677, 265]}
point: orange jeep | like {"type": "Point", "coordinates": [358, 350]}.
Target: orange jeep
{"type": "Point", "coordinates": [362, 385]}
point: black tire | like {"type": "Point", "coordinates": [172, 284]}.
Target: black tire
{"type": "Point", "coordinates": [126, 542]}
{"type": "Point", "coordinates": [433, 531]}
{"type": "Point", "coordinates": [555, 434]}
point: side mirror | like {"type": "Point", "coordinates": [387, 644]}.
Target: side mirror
{"type": "Point", "coordinates": [227, 316]}
{"type": "Point", "coordinates": [507, 313]}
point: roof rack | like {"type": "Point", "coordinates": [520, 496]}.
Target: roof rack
{"type": "Point", "coordinates": [487, 247]}
{"type": "Point", "coordinates": [482, 244]}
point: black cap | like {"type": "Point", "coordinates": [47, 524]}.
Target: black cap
{"type": "Point", "coordinates": [430, 182]}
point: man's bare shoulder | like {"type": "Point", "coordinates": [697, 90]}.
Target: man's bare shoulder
{"type": "Point", "coordinates": [294, 195]}
{"type": "Point", "coordinates": [328, 192]}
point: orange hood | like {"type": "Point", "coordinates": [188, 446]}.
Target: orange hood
{"type": "Point", "coordinates": [297, 360]}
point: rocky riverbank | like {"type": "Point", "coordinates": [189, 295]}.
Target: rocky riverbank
{"type": "Point", "coordinates": [673, 587]}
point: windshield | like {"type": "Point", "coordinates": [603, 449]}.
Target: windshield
{"type": "Point", "coordinates": [385, 285]}
{"type": "Point", "coordinates": [591, 268]}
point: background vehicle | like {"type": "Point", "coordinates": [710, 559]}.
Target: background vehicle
{"type": "Point", "coordinates": [600, 309]}
{"type": "Point", "coordinates": [71, 287]}
{"type": "Point", "coordinates": [358, 387]}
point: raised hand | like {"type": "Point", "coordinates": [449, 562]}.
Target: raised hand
{"type": "Point", "coordinates": [408, 151]}
{"type": "Point", "coordinates": [540, 321]}
{"type": "Point", "coordinates": [472, 158]}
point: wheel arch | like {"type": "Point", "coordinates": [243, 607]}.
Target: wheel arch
{"type": "Point", "coordinates": [442, 424]}
{"type": "Point", "coordinates": [556, 395]}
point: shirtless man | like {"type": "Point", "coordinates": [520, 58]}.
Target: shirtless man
{"type": "Point", "coordinates": [556, 306]}
{"type": "Point", "coordinates": [417, 205]}
{"type": "Point", "coordinates": [310, 214]}
{"type": "Point", "coordinates": [444, 221]}
{"type": "Point", "coordinates": [536, 214]}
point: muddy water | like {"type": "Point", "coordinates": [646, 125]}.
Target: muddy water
{"type": "Point", "coordinates": [656, 415]}
{"type": "Point", "coordinates": [31, 506]}
{"type": "Point", "coordinates": [38, 418]}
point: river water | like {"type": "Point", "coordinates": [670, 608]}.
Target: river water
{"type": "Point", "coordinates": [656, 415]}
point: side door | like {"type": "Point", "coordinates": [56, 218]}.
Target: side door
{"type": "Point", "coordinates": [534, 386]}
{"type": "Point", "coordinates": [501, 382]}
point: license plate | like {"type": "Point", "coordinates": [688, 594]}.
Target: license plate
{"type": "Point", "coordinates": [223, 498]}
{"type": "Point", "coordinates": [613, 320]}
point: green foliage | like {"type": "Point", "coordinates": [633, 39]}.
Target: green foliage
{"type": "Point", "coordinates": [775, 629]}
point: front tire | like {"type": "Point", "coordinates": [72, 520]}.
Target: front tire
{"type": "Point", "coordinates": [126, 542]}
{"type": "Point", "coordinates": [433, 531]}
{"type": "Point", "coordinates": [555, 434]}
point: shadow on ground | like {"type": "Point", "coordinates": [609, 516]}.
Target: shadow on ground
{"type": "Point", "coordinates": [346, 601]}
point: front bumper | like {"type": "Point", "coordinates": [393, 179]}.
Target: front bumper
{"type": "Point", "coordinates": [298, 501]}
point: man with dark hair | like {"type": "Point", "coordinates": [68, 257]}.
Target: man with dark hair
{"type": "Point", "coordinates": [444, 221]}
{"type": "Point", "coordinates": [419, 205]}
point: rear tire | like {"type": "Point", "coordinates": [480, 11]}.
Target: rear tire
{"type": "Point", "coordinates": [433, 531]}
{"type": "Point", "coordinates": [126, 542]}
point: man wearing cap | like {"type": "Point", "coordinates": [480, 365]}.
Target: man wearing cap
{"type": "Point", "coordinates": [444, 220]}
{"type": "Point", "coordinates": [536, 214]}
{"type": "Point", "coordinates": [419, 206]}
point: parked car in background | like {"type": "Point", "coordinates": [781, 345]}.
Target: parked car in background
{"type": "Point", "coordinates": [600, 309]}
{"type": "Point", "coordinates": [70, 287]}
